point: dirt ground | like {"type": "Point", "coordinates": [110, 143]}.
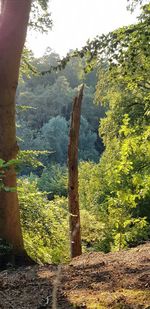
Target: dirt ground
{"type": "Point", "coordinates": [94, 281]}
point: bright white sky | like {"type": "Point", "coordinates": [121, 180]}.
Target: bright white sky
{"type": "Point", "coordinates": [75, 21]}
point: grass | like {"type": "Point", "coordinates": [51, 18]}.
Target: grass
{"type": "Point", "coordinates": [120, 299]}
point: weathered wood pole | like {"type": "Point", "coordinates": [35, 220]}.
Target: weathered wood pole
{"type": "Point", "coordinates": [73, 195]}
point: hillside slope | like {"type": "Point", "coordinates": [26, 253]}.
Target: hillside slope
{"type": "Point", "coordinates": [93, 281]}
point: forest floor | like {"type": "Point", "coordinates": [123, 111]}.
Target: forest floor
{"type": "Point", "coordinates": [94, 281]}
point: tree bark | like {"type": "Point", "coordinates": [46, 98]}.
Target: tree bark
{"type": "Point", "coordinates": [2, 2]}
{"type": "Point", "coordinates": [73, 195]}
{"type": "Point", "coordinates": [13, 26]}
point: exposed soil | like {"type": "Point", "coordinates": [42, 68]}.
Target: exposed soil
{"type": "Point", "coordinates": [94, 280]}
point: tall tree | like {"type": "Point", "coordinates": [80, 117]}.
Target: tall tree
{"type": "Point", "coordinates": [13, 26]}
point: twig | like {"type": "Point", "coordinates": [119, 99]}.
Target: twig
{"type": "Point", "coordinates": [7, 300]}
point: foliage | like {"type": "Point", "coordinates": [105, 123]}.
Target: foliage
{"type": "Point", "coordinates": [121, 180]}
{"type": "Point", "coordinates": [125, 131]}
{"type": "Point", "coordinates": [26, 68]}
{"type": "Point", "coordinates": [40, 18]}
{"type": "Point", "coordinates": [114, 45]}
{"type": "Point", "coordinates": [44, 223]}
{"type": "Point", "coordinates": [114, 193]}
{"type": "Point", "coordinates": [132, 4]}
{"type": "Point", "coordinates": [53, 180]}
{"type": "Point", "coordinates": [4, 166]}
{"type": "Point", "coordinates": [52, 94]}
{"type": "Point", "coordinates": [46, 226]}
{"type": "Point", "coordinates": [1, 174]}
{"type": "Point", "coordinates": [52, 139]}
{"type": "Point", "coordinates": [92, 231]}
{"type": "Point", "coordinates": [29, 161]}
{"type": "Point", "coordinates": [89, 186]}
{"type": "Point", "coordinates": [45, 101]}
{"type": "Point", "coordinates": [87, 141]}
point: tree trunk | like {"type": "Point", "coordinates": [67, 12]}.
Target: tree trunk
{"type": "Point", "coordinates": [2, 2]}
{"type": "Point", "coordinates": [73, 195]}
{"type": "Point", "coordinates": [13, 25]}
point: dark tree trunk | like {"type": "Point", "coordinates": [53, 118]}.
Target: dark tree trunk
{"type": "Point", "coordinates": [13, 25]}
{"type": "Point", "coordinates": [73, 195]}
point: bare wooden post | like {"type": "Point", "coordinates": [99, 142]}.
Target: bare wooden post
{"type": "Point", "coordinates": [73, 195]}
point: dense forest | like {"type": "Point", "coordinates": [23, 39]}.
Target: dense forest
{"type": "Point", "coordinates": [114, 148]}
{"type": "Point", "coordinates": [114, 151]}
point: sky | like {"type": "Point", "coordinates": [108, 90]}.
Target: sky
{"type": "Point", "coordinates": [75, 21]}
